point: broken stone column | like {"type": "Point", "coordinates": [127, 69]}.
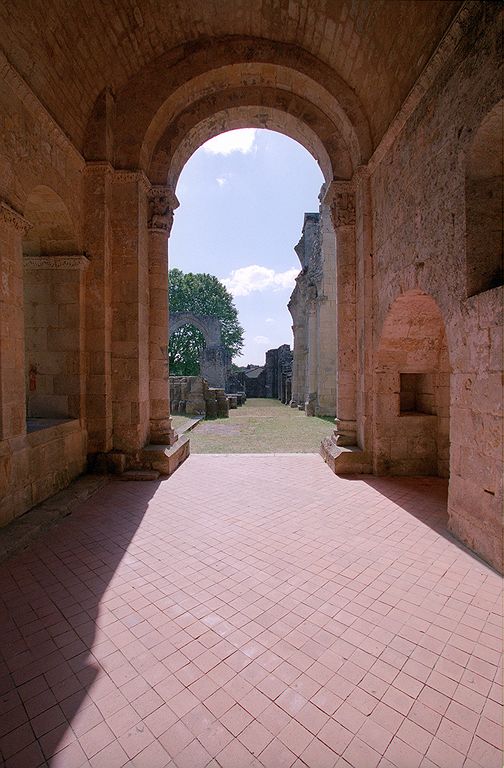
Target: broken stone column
{"type": "Point", "coordinates": [215, 362]}
{"type": "Point", "coordinates": [162, 203]}
{"type": "Point", "coordinates": [223, 403]}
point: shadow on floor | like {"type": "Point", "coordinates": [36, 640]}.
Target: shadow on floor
{"type": "Point", "coordinates": [424, 498]}
{"type": "Point", "coordinates": [50, 637]}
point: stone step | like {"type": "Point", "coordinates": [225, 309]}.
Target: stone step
{"type": "Point", "coordinates": [163, 458]}
{"type": "Point", "coordinates": [140, 474]}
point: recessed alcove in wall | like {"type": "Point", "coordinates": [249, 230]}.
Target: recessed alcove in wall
{"type": "Point", "coordinates": [417, 393]}
{"type": "Point", "coordinates": [412, 390]}
{"type": "Point", "coordinates": [53, 295]}
{"type": "Point", "coordinates": [484, 205]}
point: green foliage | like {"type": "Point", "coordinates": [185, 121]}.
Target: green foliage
{"type": "Point", "coordinates": [186, 344]}
{"type": "Point", "coordinates": [201, 294]}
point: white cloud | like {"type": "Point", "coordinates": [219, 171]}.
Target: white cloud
{"type": "Point", "coordinates": [269, 320]}
{"type": "Point", "coordinates": [242, 140]}
{"type": "Point", "coordinates": [221, 181]}
{"type": "Point", "coordinates": [263, 340]}
{"type": "Point", "coordinates": [245, 280]}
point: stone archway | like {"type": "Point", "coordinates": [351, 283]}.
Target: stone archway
{"type": "Point", "coordinates": [215, 360]}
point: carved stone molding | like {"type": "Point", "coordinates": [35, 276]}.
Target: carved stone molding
{"type": "Point", "coordinates": [162, 203]}
{"type": "Point", "coordinates": [63, 261]}
{"type": "Point", "coordinates": [12, 218]}
{"type": "Point", "coordinates": [129, 176]}
{"type": "Point", "coordinates": [98, 166]}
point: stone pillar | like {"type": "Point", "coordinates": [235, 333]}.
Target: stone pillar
{"type": "Point", "coordinates": [341, 198]}
{"type": "Point", "coordinates": [13, 227]}
{"type": "Point", "coordinates": [162, 203]}
{"type": "Point", "coordinates": [97, 186]}
{"type": "Point", "coordinates": [312, 362]}
{"type": "Point", "coordinates": [131, 310]}
{"type": "Point", "coordinates": [327, 318]}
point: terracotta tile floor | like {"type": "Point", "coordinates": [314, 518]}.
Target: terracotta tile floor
{"type": "Point", "coordinates": [252, 611]}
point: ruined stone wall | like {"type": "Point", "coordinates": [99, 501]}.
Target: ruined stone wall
{"type": "Point", "coordinates": [419, 230]}
{"type": "Point", "coordinates": [313, 309]}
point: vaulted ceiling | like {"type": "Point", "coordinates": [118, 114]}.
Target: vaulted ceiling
{"type": "Point", "coordinates": [69, 50]}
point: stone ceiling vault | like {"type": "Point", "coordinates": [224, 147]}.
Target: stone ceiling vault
{"type": "Point", "coordinates": [377, 49]}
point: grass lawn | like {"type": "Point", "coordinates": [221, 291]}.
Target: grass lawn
{"type": "Point", "coordinates": [262, 426]}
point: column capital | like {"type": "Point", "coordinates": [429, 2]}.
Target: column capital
{"type": "Point", "coordinates": [162, 203]}
{"type": "Point", "coordinates": [11, 218]}
{"type": "Point", "coordinates": [340, 198]}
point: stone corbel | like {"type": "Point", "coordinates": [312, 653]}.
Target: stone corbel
{"type": "Point", "coordinates": [11, 218]}
{"type": "Point", "coordinates": [162, 203]}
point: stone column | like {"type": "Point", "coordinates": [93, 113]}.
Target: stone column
{"type": "Point", "coordinates": [162, 203]}
{"type": "Point", "coordinates": [13, 227]}
{"type": "Point", "coordinates": [364, 304]}
{"type": "Point", "coordinates": [97, 185]}
{"type": "Point", "coordinates": [327, 318]}
{"type": "Point", "coordinates": [341, 198]}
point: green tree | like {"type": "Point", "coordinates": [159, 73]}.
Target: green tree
{"type": "Point", "coordinates": [201, 294]}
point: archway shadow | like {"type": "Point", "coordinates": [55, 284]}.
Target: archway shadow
{"type": "Point", "coordinates": [423, 497]}
{"type": "Point", "coordinates": [52, 645]}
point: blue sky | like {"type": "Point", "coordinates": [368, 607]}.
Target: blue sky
{"type": "Point", "coordinates": [242, 199]}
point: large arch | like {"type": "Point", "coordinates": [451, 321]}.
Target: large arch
{"type": "Point", "coordinates": [205, 68]}
{"type": "Point", "coordinates": [210, 327]}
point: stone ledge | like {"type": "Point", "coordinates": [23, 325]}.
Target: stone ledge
{"type": "Point", "coordinates": [346, 460]}
{"type": "Point", "coordinates": [22, 531]}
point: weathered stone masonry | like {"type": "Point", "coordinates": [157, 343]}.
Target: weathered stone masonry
{"type": "Point", "coordinates": [400, 104]}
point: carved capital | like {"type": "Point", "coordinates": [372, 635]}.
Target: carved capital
{"type": "Point", "coordinates": [343, 209]}
{"type": "Point", "coordinates": [162, 203]}
{"type": "Point", "coordinates": [11, 218]}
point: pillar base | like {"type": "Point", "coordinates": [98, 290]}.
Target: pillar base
{"type": "Point", "coordinates": [159, 457]}
{"type": "Point", "coordinates": [162, 433]}
{"type": "Point", "coordinates": [349, 460]}
{"type": "Point", "coordinates": [345, 433]}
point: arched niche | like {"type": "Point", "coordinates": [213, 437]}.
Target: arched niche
{"type": "Point", "coordinates": [412, 390]}
{"type": "Point", "coordinates": [52, 232]}
{"type": "Point", "coordinates": [484, 205]}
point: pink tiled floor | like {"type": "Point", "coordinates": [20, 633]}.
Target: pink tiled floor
{"type": "Point", "coordinates": [252, 611]}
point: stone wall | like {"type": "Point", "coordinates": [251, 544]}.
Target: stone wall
{"type": "Point", "coordinates": [313, 309]}
{"type": "Point", "coordinates": [424, 241]}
